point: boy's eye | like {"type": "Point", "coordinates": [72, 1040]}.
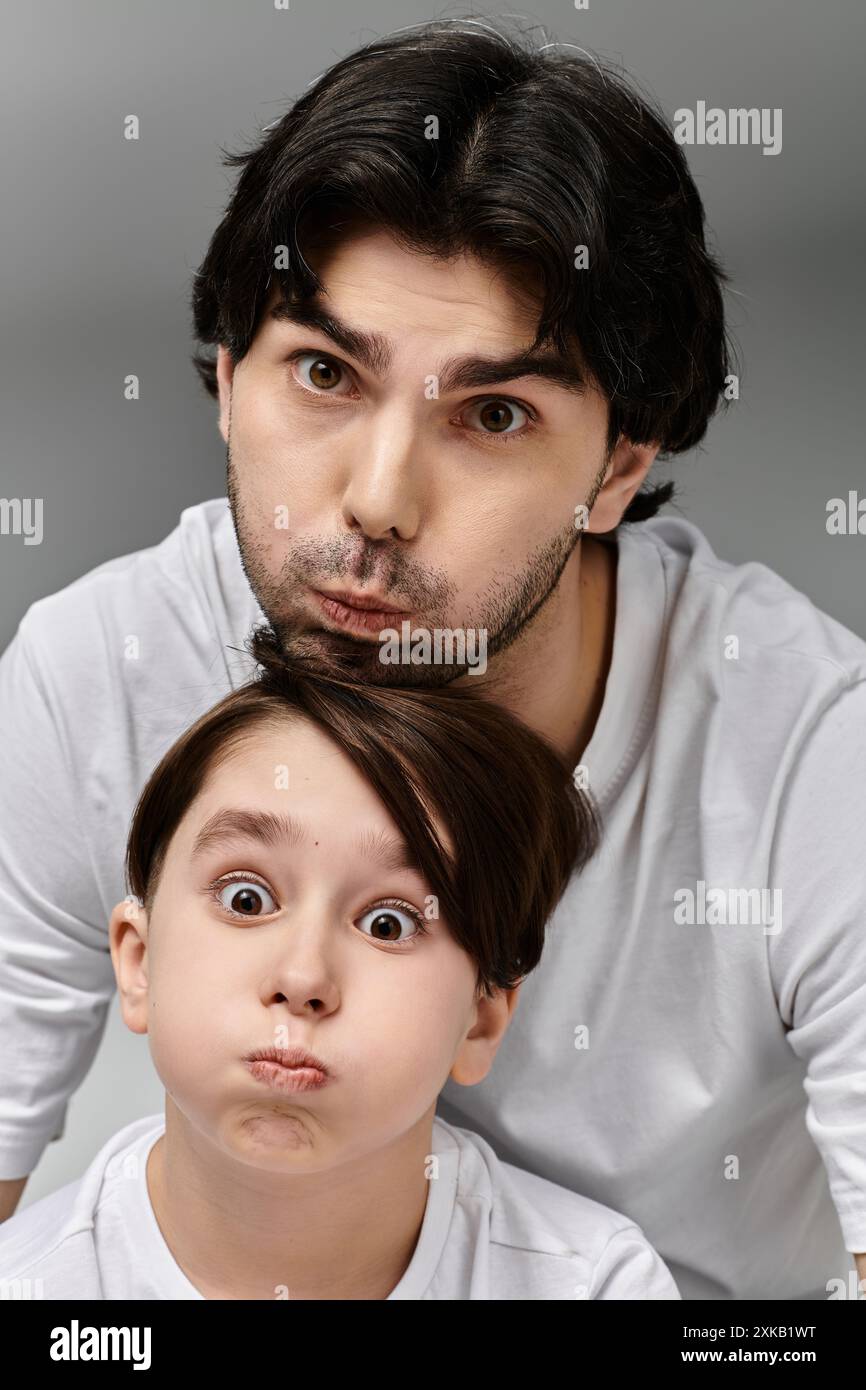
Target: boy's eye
{"type": "Point", "coordinates": [390, 923]}
{"type": "Point", "coordinates": [245, 898]}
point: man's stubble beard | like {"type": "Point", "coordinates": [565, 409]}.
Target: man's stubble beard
{"type": "Point", "coordinates": [506, 616]}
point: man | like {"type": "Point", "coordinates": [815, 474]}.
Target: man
{"type": "Point", "coordinates": [461, 300]}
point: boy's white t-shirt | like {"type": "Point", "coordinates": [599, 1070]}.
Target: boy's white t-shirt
{"type": "Point", "coordinates": [489, 1231]}
{"type": "Point", "coordinates": [706, 1077]}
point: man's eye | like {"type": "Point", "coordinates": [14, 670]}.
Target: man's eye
{"type": "Point", "coordinates": [317, 372]}
{"type": "Point", "coordinates": [390, 923]}
{"type": "Point", "coordinates": [245, 898]}
{"type": "Point", "coordinates": [496, 416]}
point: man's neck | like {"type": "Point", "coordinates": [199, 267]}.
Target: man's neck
{"type": "Point", "coordinates": [243, 1232]}
{"type": "Point", "coordinates": [553, 677]}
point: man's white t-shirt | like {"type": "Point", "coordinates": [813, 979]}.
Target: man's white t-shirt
{"type": "Point", "coordinates": [489, 1232]}
{"type": "Point", "coordinates": [692, 1074]}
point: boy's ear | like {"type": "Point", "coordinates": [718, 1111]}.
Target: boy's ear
{"type": "Point", "coordinates": [128, 936]}
{"type": "Point", "coordinates": [475, 1055]}
{"type": "Point", "coordinates": [511, 997]}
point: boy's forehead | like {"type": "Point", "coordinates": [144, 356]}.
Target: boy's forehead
{"type": "Point", "coordinates": [278, 757]}
{"type": "Point", "coordinates": [285, 769]}
{"type": "Point", "coordinates": [289, 782]}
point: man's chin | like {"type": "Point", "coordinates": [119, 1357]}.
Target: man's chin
{"type": "Point", "coordinates": [334, 655]}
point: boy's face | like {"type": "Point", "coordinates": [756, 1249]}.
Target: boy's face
{"type": "Point", "coordinates": [387, 474]}
{"type": "Point", "coordinates": [317, 955]}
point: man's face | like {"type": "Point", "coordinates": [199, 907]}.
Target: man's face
{"type": "Point", "coordinates": [385, 477]}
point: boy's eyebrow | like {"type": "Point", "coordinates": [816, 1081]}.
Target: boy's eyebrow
{"type": "Point", "coordinates": [233, 823]}
{"type": "Point", "coordinates": [376, 352]}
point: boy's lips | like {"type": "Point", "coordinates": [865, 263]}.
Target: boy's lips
{"type": "Point", "coordinates": [287, 1068]}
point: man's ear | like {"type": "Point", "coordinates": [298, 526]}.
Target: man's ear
{"type": "Point", "coordinates": [225, 370]}
{"type": "Point", "coordinates": [128, 930]}
{"type": "Point", "coordinates": [479, 1047]}
{"type": "Point", "coordinates": [625, 471]}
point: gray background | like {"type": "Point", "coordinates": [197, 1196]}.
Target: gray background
{"type": "Point", "coordinates": [100, 237]}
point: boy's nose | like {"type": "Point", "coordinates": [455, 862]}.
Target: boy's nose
{"type": "Point", "coordinates": [302, 978]}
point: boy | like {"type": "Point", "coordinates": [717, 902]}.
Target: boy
{"type": "Point", "coordinates": [336, 893]}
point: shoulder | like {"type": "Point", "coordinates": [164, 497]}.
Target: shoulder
{"type": "Point", "coordinates": [750, 601]}
{"type": "Point", "coordinates": [47, 1249]}
{"type": "Point", "coordinates": [762, 663]}
{"type": "Point", "coordinates": [551, 1241]}
{"type": "Point", "coordinates": [187, 596]}
{"type": "Point", "coordinates": [178, 566]}
{"type": "Point", "coordinates": [44, 1247]}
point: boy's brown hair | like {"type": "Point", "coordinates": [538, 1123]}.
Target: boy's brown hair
{"type": "Point", "coordinates": [518, 825]}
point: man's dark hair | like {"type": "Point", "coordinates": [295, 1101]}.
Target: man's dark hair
{"type": "Point", "coordinates": [539, 150]}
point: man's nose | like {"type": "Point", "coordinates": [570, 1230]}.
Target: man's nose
{"type": "Point", "coordinates": [384, 492]}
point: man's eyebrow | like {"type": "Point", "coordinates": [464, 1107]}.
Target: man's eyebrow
{"type": "Point", "coordinates": [372, 350]}
{"type": "Point", "coordinates": [376, 353]}
{"type": "Point", "coordinates": [229, 825]}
